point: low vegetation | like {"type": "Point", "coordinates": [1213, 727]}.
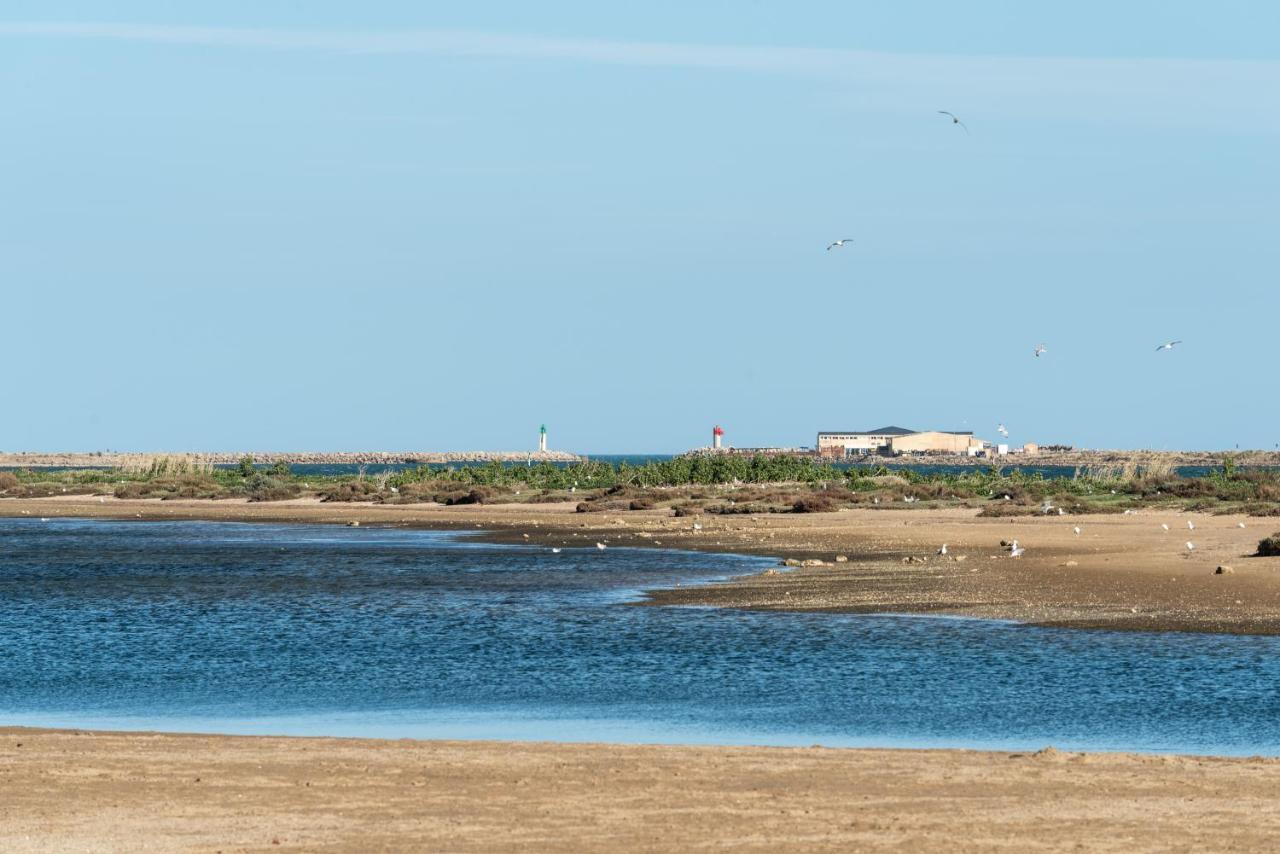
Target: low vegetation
{"type": "Point", "coordinates": [686, 486]}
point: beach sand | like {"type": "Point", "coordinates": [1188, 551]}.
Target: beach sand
{"type": "Point", "coordinates": [95, 791]}
{"type": "Point", "coordinates": [1120, 572]}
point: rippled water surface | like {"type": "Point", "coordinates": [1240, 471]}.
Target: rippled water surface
{"type": "Point", "coordinates": [308, 629]}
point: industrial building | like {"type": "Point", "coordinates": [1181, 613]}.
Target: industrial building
{"type": "Point", "coordinates": [895, 441]}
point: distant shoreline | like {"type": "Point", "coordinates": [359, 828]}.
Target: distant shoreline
{"type": "Point", "coordinates": [1082, 459]}
{"type": "Point", "coordinates": [220, 458]}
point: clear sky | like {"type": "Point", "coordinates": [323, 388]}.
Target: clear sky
{"type": "Point", "coordinates": [404, 225]}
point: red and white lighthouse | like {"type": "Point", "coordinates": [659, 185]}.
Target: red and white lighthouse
{"type": "Point", "coordinates": [716, 435]}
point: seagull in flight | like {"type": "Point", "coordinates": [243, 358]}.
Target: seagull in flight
{"type": "Point", "coordinates": [1168, 345]}
{"type": "Point", "coordinates": [839, 244]}
{"type": "Point", "coordinates": [955, 120]}
{"type": "Point", "coordinates": [1040, 348]}
{"type": "Point", "coordinates": [1003, 431]}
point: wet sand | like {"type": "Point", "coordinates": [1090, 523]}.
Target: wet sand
{"type": "Point", "coordinates": [93, 791]}
{"type": "Point", "coordinates": [1120, 572]}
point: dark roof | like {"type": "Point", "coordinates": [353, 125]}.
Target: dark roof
{"type": "Point", "coordinates": [883, 431]}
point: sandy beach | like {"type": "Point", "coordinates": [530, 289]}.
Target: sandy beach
{"type": "Point", "coordinates": [1121, 572]}
{"type": "Point", "coordinates": [95, 791]}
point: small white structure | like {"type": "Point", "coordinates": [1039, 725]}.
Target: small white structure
{"type": "Point", "coordinates": [717, 435]}
{"type": "Point", "coordinates": [542, 439]}
{"type": "Point", "coordinates": [1002, 450]}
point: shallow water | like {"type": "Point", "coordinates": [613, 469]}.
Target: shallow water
{"type": "Point", "coordinates": [225, 627]}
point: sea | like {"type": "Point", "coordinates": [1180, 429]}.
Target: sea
{"type": "Point", "coordinates": [392, 632]}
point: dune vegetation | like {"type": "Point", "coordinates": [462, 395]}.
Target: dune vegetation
{"type": "Point", "coordinates": [687, 485]}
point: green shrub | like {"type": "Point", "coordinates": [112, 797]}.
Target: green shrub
{"type": "Point", "coordinates": [1270, 547]}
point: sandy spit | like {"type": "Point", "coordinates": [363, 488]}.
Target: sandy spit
{"type": "Point", "coordinates": [1120, 572]}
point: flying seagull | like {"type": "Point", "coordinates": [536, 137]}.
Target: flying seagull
{"type": "Point", "coordinates": [1168, 345]}
{"type": "Point", "coordinates": [955, 120]}
{"type": "Point", "coordinates": [1003, 431]}
{"type": "Point", "coordinates": [1040, 348]}
{"type": "Point", "coordinates": [839, 244]}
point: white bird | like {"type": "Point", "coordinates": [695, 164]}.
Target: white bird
{"type": "Point", "coordinates": [1190, 545]}
{"type": "Point", "coordinates": [555, 551]}
{"type": "Point", "coordinates": [1077, 530]}
{"type": "Point", "coordinates": [1002, 430]}
{"type": "Point", "coordinates": [955, 120]}
{"type": "Point", "coordinates": [910, 499]}
{"type": "Point", "coordinates": [697, 526]}
{"type": "Point", "coordinates": [1007, 498]}
{"type": "Point", "coordinates": [601, 546]}
{"type": "Point", "coordinates": [839, 244]}
{"type": "Point", "coordinates": [1061, 512]}
{"type": "Point", "coordinates": [1165, 526]}
{"type": "Point", "coordinates": [943, 550]}
{"type": "Point", "coordinates": [1040, 348]}
{"type": "Point", "coordinates": [1240, 524]}
{"type": "Point", "coordinates": [1015, 550]}
{"type": "Point", "coordinates": [1127, 512]}
{"type": "Point", "coordinates": [1191, 526]}
{"type": "Point", "coordinates": [101, 500]}
{"type": "Point", "coordinates": [1168, 345]}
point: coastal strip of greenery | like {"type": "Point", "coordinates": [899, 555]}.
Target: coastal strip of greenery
{"type": "Point", "coordinates": [697, 484]}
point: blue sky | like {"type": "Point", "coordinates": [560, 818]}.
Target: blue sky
{"type": "Point", "coordinates": [427, 226]}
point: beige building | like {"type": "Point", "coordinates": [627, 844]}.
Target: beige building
{"type": "Point", "coordinates": [895, 441]}
{"type": "Point", "coordinates": [934, 442]}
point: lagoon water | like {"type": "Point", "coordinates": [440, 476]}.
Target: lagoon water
{"type": "Point", "coordinates": [221, 627]}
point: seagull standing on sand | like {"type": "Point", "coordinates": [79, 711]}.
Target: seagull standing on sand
{"type": "Point", "coordinates": [1190, 546]}
{"type": "Point", "coordinates": [1077, 530]}
{"type": "Point", "coordinates": [955, 120]}
{"type": "Point", "coordinates": [1040, 348]}
{"type": "Point", "coordinates": [839, 244]}
{"type": "Point", "coordinates": [1015, 550]}
{"type": "Point", "coordinates": [1164, 525]}
{"type": "Point", "coordinates": [1191, 526]}
{"type": "Point", "coordinates": [943, 550]}
{"type": "Point", "coordinates": [1168, 345]}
